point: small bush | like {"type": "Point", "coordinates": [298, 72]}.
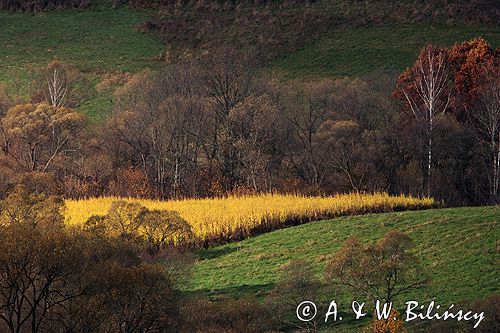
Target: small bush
{"type": "Point", "coordinates": [130, 220]}
{"type": "Point", "coordinates": [394, 324]}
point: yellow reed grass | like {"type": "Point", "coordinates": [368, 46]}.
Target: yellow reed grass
{"type": "Point", "coordinates": [236, 217]}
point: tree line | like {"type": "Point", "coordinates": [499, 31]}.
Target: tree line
{"type": "Point", "coordinates": [223, 125]}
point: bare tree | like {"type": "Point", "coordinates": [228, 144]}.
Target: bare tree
{"type": "Point", "coordinates": [4, 137]}
{"type": "Point", "coordinates": [297, 283]}
{"type": "Point", "coordinates": [10, 95]}
{"type": "Point", "coordinates": [57, 85]}
{"type": "Point", "coordinates": [487, 121]}
{"type": "Point", "coordinates": [54, 280]}
{"type": "Point", "coordinates": [306, 115]}
{"type": "Point", "coordinates": [380, 271]}
{"type": "Point", "coordinates": [37, 261]}
{"type": "Point", "coordinates": [159, 124]}
{"type": "Point", "coordinates": [260, 134]}
{"type": "Point", "coordinates": [229, 80]}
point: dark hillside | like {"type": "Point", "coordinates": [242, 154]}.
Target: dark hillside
{"type": "Point", "coordinates": [271, 28]}
{"type": "Point", "coordinates": [275, 28]}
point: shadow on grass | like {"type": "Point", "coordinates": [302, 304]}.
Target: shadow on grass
{"type": "Point", "coordinates": [257, 290]}
{"type": "Point", "coordinates": [213, 253]}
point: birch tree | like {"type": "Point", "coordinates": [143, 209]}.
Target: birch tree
{"type": "Point", "coordinates": [57, 85]}
{"type": "Point", "coordinates": [60, 85]}
{"type": "Point", "coordinates": [426, 89]}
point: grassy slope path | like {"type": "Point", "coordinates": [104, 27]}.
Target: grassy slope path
{"type": "Point", "coordinates": [459, 247]}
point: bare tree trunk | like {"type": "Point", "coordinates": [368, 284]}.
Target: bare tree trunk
{"type": "Point", "coordinates": [176, 177]}
{"type": "Point", "coordinates": [254, 182]}
{"type": "Point", "coordinates": [487, 122]}
{"type": "Point", "coordinates": [429, 159]}
{"type": "Point", "coordinates": [57, 87]}
{"type": "Point", "coordinates": [5, 140]}
{"type": "Point", "coordinates": [496, 170]}
{"type": "Point", "coordinates": [33, 158]}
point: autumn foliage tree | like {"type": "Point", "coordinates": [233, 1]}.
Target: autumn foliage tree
{"type": "Point", "coordinates": [476, 71]}
{"type": "Point", "coordinates": [152, 227]}
{"type": "Point", "coordinates": [221, 126]}
{"type": "Point", "coordinates": [36, 261]}
{"type": "Point", "coordinates": [471, 62]}
{"type": "Point", "coordinates": [393, 324]}
{"type": "Point", "coordinates": [131, 182]}
{"type": "Point", "coordinates": [41, 133]}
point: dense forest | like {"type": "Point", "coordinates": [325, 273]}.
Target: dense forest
{"type": "Point", "coordinates": [221, 125]}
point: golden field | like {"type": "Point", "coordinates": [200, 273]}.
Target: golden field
{"type": "Point", "coordinates": [223, 219]}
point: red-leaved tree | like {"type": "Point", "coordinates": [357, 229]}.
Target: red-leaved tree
{"type": "Point", "coordinates": [475, 67]}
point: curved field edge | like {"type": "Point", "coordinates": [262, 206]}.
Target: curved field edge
{"type": "Point", "coordinates": [457, 246]}
{"type": "Point", "coordinates": [222, 220]}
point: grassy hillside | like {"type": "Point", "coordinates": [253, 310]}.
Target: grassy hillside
{"type": "Point", "coordinates": [96, 41]}
{"type": "Point", "coordinates": [459, 248]}
{"type": "Point", "coordinates": [359, 51]}
{"type": "Point", "coordinates": [107, 41]}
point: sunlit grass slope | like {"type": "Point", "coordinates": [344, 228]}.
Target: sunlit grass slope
{"type": "Point", "coordinates": [232, 218]}
{"type": "Point", "coordinates": [458, 247]}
